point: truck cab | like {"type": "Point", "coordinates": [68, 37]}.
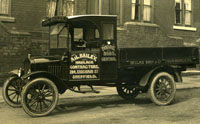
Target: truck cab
{"type": "Point", "coordinates": [87, 46]}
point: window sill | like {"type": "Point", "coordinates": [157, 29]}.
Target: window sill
{"type": "Point", "coordinates": [142, 24]}
{"type": "Point", "coordinates": [7, 19]}
{"type": "Point", "coordinates": [184, 28]}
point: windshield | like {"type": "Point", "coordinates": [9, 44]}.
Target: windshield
{"type": "Point", "coordinates": [58, 36]}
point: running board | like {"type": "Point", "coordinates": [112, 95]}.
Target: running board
{"type": "Point", "coordinates": [87, 91]}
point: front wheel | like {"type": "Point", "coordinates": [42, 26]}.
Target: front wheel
{"type": "Point", "coordinates": [162, 89]}
{"type": "Point", "coordinates": [39, 97]}
{"type": "Point", "coordinates": [11, 91]}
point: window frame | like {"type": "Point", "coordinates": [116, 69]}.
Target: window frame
{"type": "Point", "coordinates": [183, 12]}
{"type": "Point", "coordinates": [59, 8]}
{"type": "Point", "coordinates": [8, 8]}
{"type": "Point", "coordinates": [141, 5]}
{"type": "Point", "coordinates": [7, 17]}
{"type": "Point", "coordinates": [72, 2]}
{"type": "Point", "coordinates": [150, 13]}
{"type": "Point", "coordinates": [48, 13]}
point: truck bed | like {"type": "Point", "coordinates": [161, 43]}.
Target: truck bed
{"type": "Point", "coordinates": [183, 56]}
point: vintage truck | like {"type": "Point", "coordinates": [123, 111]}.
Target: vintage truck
{"type": "Point", "coordinates": [83, 50]}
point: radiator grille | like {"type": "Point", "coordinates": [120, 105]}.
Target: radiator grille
{"type": "Point", "coordinates": [59, 71]}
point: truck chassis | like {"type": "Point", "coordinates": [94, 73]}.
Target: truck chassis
{"type": "Point", "coordinates": [83, 51]}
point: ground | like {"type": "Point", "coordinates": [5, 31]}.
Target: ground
{"type": "Point", "coordinates": [111, 109]}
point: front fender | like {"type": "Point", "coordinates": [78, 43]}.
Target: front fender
{"type": "Point", "coordinates": [35, 74]}
{"type": "Point", "coordinates": [17, 72]}
{"type": "Point", "coordinates": [14, 72]}
{"type": "Point", "coordinates": [38, 74]}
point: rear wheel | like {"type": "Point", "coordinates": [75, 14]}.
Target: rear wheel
{"type": "Point", "coordinates": [12, 91]}
{"type": "Point", "coordinates": [162, 89]}
{"type": "Point", "coordinates": [128, 92]}
{"type": "Point", "coordinates": [39, 97]}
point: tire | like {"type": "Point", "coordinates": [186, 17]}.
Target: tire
{"type": "Point", "coordinates": [127, 92]}
{"type": "Point", "coordinates": [11, 91]}
{"type": "Point", "coordinates": [39, 97]}
{"type": "Point", "coordinates": [162, 89]}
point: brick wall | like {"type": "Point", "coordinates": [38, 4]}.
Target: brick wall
{"type": "Point", "coordinates": [4, 35]}
{"type": "Point", "coordinates": [15, 46]}
{"type": "Point", "coordinates": [145, 35]}
{"type": "Point", "coordinates": [27, 14]}
{"type": "Point", "coordinates": [164, 16]}
{"type": "Point", "coordinates": [13, 51]}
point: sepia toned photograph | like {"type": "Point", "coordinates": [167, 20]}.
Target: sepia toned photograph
{"type": "Point", "coordinates": [99, 61]}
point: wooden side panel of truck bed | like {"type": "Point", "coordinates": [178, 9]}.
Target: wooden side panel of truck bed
{"type": "Point", "coordinates": [183, 56]}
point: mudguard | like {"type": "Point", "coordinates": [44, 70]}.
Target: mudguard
{"type": "Point", "coordinates": [14, 72]}
{"type": "Point", "coordinates": [144, 80]}
{"type": "Point", "coordinates": [59, 83]}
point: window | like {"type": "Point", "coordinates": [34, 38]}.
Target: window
{"type": "Point", "coordinates": [63, 38]}
{"type": "Point", "coordinates": [178, 11]}
{"type": "Point", "coordinates": [68, 7]}
{"type": "Point", "coordinates": [60, 7]}
{"type": "Point", "coordinates": [146, 10]}
{"type": "Point", "coordinates": [78, 34]}
{"type": "Point", "coordinates": [92, 6]}
{"type": "Point", "coordinates": [141, 10]}
{"type": "Point", "coordinates": [135, 10]}
{"type": "Point", "coordinates": [183, 10]}
{"type": "Point", "coordinates": [91, 34]}
{"type": "Point", "coordinates": [51, 8]}
{"type": "Point", "coordinates": [108, 31]}
{"type": "Point", "coordinates": [4, 7]}
{"type": "Point", "coordinates": [58, 36]}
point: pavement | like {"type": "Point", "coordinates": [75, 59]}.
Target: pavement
{"type": "Point", "coordinates": [190, 72]}
{"type": "Point", "coordinates": [188, 84]}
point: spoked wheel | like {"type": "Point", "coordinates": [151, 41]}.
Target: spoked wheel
{"type": "Point", "coordinates": [12, 91]}
{"type": "Point", "coordinates": [39, 97]}
{"type": "Point", "coordinates": [162, 89]}
{"type": "Point", "coordinates": [128, 92]}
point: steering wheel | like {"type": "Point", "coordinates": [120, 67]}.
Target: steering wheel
{"type": "Point", "coordinates": [82, 42]}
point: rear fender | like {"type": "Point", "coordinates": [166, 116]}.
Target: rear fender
{"type": "Point", "coordinates": [176, 74]}
{"type": "Point", "coordinates": [144, 80]}
{"type": "Point", "coordinates": [38, 74]}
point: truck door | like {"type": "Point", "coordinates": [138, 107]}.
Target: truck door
{"type": "Point", "coordinates": [84, 59]}
{"type": "Point", "coordinates": [109, 52]}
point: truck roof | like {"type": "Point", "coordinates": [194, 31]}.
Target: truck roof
{"type": "Point", "coordinates": [66, 19]}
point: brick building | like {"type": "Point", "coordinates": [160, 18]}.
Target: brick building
{"type": "Point", "coordinates": [142, 23]}
{"type": "Point", "coordinates": [149, 22]}
{"type": "Point", "coordinates": [20, 31]}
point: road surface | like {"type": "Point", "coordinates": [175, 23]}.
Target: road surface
{"type": "Point", "coordinates": [109, 108]}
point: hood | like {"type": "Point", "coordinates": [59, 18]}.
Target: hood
{"type": "Point", "coordinates": [44, 59]}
